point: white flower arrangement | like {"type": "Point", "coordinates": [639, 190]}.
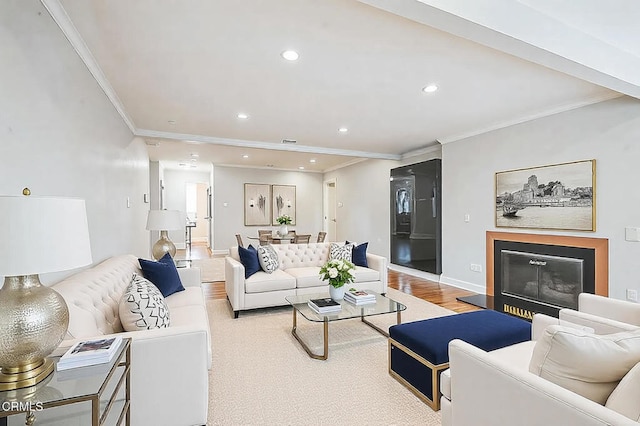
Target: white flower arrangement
{"type": "Point", "coordinates": [337, 272]}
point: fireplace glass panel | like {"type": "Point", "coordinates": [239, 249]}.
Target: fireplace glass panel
{"type": "Point", "coordinates": [552, 280]}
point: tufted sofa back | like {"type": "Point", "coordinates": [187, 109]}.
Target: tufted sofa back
{"type": "Point", "coordinates": [296, 255]}
{"type": "Point", "coordinates": [93, 296]}
{"type": "Point", "coordinates": [302, 255]}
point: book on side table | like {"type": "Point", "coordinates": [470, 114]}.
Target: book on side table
{"type": "Point", "coordinates": [89, 352]}
{"type": "Point", "coordinates": [359, 297]}
{"type": "Point", "coordinates": [324, 306]}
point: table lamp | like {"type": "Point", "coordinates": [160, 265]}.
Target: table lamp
{"type": "Point", "coordinates": [37, 235]}
{"type": "Point", "coordinates": [163, 221]}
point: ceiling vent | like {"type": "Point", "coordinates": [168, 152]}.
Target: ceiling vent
{"type": "Point", "coordinates": [289, 141]}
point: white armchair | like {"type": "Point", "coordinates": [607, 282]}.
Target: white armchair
{"type": "Point", "coordinates": [488, 388]}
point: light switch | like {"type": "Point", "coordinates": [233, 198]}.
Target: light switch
{"type": "Point", "coordinates": [467, 217]}
{"type": "Point", "coordinates": [128, 202]}
{"type": "Point", "coordinates": [632, 234]}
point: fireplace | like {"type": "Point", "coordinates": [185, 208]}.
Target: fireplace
{"type": "Point", "coordinates": [528, 273]}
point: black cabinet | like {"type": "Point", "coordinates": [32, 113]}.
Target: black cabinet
{"type": "Point", "coordinates": [416, 219]}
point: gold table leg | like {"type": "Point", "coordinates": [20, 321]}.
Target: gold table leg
{"type": "Point", "coordinates": [325, 354]}
{"type": "Point", "coordinates": [378, 329]}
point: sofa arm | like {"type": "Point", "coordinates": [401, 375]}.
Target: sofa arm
{"type": "Point", "coordinates": [234, 282]}
{"type": "Point", "coordinates": [618, 310]}
{"type": "Point", "coordinates": [598, 324]}
{"type": "Point", "coordinates": [539, 323]}
{"type": "Point", "coordinates": [487, 392]}
{"type": "Point", "coordinates": [169, 379]}
{"type": "Point", "coordinates": [379, 263]}
{"type": "Point", "coordinates": [190, 277]}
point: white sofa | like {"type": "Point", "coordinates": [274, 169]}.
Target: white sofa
{"type": "Point", "coordinates": [169, 366]}
{"type": "Point", "coordinates": [489, 388]}
{"type": "Point", "coordinates": [298, 273]}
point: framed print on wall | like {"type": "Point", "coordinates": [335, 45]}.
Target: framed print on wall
{"type": "Point", "coordinates": [284, 202]}
{"type": "Point", "coordinates": [558, 196]}
{"type": "Point", "coordinates": [257, 208]}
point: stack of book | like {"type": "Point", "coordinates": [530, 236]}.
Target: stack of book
{"type": "Point", "coordinates": [324, 306]}
{"type": "Point", "coordinates": [89, 352]}
{"type": "Point", "coordinates": [359, 297]}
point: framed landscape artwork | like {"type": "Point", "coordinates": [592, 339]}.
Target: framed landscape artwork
{"type": "Point", "coordinates": [559, 196]}
{"type": "Point", "coordinates": [257, 208]}
{"type": "Point", "coordinates": [283, 202]}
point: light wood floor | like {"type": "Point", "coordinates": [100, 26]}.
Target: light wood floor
{"type": "Point", "coordinates": [439, 294]}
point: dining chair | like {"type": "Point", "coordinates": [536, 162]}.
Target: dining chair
{"type": "Point", "coordinates": [239, 239]}
{"type": "Point", "coordinates": [262, 232]}
{"type": "Point", "coordinates": [302, 239]}
{"type": "Point", "coordinates": [321, 236]}
{"type": "Point", "coordinates": [265, 239]}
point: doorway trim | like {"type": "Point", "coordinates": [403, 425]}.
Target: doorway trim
{"type": "Point", "coordinates": [326, 208]}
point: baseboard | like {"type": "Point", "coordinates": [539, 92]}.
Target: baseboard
{"type": "Point", "coordinates": [480, 289]}
{"type": "Point", "coordinates": [415, 272]}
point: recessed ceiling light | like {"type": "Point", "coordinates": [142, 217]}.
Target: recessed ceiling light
{"type": "Point", "coordinates": [193, 160]}
{"type": "Point", "coordinates": [313, 160]}
{"type": "Point", "coordinates": [430, 88]}
{"type": "Point", "coordinates": [269, 165]}
{"type": "Point", "coordinates": [301, 167]}
{"type": "Point", "coordinates": [171, 122]}
{"type": "Point", "coordinates": [245, 156]}
{"type": "Point", "coordinates": [343, 130]}
{"type": "Point", "coordinates": [242, 116]}
{"type": "Point", "coordinates": [194, 155]}
{"type": "Point", "coordinates": [290, 55]}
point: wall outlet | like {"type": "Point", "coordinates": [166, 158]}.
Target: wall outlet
{"type": "Point", "coordinates": [475, 267]}
{"type": "Point", "coordinates": [632, 295]}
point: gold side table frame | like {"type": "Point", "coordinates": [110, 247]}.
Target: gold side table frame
{"type": "Point", "coordinates": [123, 359]}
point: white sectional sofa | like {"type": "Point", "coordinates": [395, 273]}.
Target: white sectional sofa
{"type": "Point", "coordinates": [489, 388]}
{"type": "Point", "coordinates": [169, 367]}
{"type": "Point", "coordinates": [297, 273]}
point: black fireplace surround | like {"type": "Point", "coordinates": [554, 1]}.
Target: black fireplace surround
{"type": "Point", "coordinates": [531, 278]}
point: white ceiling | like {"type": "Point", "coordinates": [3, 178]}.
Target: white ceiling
{"type": "Point", "coordinates": [180, 71]}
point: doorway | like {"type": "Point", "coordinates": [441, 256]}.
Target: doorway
{"type": "Point", "coordinates": [197, 209]}
{"type": "Point", "coordinates": [330, 223]}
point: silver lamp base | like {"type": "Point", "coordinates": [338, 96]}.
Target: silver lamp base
{"type": "Point", "coordinates": [163, 246]}
{"type": "Point", "coordinates": [33, 322]}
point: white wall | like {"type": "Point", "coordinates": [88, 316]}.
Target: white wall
{"type": "Point", "coordinates": [363, 189]}
{"type": "Point", "coordinates": [229, 188]}
{"type": "Point", "coordinates": [60, 136]}
{"type": "Point", "coordinates": [608, 132]}
{"type": "Point", "coordinates": [175, 196]}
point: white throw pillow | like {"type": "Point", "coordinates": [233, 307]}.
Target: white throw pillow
{"type": "Point", "coordinates": [142, 306]}
{"type": "Point", "coordinates": [268, 258]}
{"type": "Point", "coordinates": [340, 252]}
{"type": "Point", "coordinates": [588, 364]}
{"type": "Point", "coordinates": [624, 398]}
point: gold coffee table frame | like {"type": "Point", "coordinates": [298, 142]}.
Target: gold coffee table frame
{"type": "Point", "coordinates": [382, 305]}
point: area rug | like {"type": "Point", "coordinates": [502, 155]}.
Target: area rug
{"type": "Point", "coordinates": [211, 270]}
{"type": "Point", "coordinates": [262, 376]}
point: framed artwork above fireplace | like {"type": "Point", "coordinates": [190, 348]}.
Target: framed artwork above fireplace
{"type": "Point", "coordinates": [558, 196]}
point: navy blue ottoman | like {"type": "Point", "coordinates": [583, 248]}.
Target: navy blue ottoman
{"type": "Point", "coordinates": [418, 351]}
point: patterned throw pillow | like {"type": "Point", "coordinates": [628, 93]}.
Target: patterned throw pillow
{"type": "Point", "coordinates": [340, 252]}
{"type": "Point", "coordinates": [268, 258]}
{"type": "Point", "coordinates": [142, 306]}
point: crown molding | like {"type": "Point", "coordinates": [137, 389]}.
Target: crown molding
{"type": "Point", "coordinates": [346, 164]}
{"type": "Point", "coordinates": [530, 117]}
{"type": "Point", "coordinates": [435, 147]}
{"type": "Point", "coordinates": [63, 21]}
{"type": "Point", "coordinates": [280, 169]}
{"type": "Point", "coordinates": [262, 145]}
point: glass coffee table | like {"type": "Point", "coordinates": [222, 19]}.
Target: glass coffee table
{"type": "Point", "coordinates": [382, 305]}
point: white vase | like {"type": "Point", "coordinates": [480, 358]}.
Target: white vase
{"type": "Point", "coordinates": [283, 230]}
{"type": "Point", "coordinates": [336, 293]}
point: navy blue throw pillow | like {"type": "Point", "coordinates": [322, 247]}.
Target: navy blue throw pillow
{"type": "Point", "coordinates": [163, 274]}
{"type": "Point", "coordinates": [359, 255]}
{"type": "Point", "coordinates": [249, 259]}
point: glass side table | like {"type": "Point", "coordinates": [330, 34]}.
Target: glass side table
{"type": "Point", "coordinates": [102, 385]}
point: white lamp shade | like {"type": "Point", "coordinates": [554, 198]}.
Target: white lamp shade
{"type": "Point", "coordinates": [42, 234]}
{"type": "Point", "coordinates": [164, 220]}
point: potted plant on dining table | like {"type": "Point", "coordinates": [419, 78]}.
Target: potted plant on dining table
{"type": "Point", "coordinates": [284, 220]}
{"type": "Point", "coordinates": [338, 273]}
